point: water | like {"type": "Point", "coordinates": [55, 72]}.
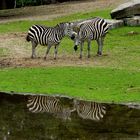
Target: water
{"type": "Point", "coordinates": [55, 118]}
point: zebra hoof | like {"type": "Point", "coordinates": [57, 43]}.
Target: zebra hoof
{"type": "Point", "coordinates": [54, 58]}
{"type": "Point", "coordinates": [32, 57]}
{"type": "Point", "coordinates": [45, 58]}
{"type": "Point", "coordinates": [99, 54]}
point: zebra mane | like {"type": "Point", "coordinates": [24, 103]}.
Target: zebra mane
{"type": "Point", "coordinates": [63, 24]}
{"type": "Point", "coordinates": [60, 24]}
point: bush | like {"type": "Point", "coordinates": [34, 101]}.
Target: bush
{"type": "Point", "coordinates": [22, 3]}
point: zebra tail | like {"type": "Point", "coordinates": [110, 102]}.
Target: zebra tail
{"type": "Point", "coordinates": [28, 38]}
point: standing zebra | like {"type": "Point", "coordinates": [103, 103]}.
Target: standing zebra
{"type": "Point", "coordinates": [49, 104]}
{"type": "Point", "coordinates": [89, 110]}
{"type": "Point", "coordinates": [49, 36]}
{"type": "Point", "coordinates": [95, 29]}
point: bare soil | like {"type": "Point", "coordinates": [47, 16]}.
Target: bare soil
{"type": "Point", "coordinates": [20, 51]}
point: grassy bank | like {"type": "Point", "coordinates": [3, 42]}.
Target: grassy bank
{"type": "Point", "coordinates": [23, 26]}
{"type": "Point", "coordinates": [99, 84]}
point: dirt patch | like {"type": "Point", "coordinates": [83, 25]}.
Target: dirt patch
{"type": "Point", "coordinates": [14, 43]}
{"type": "Point", "coordinates": [19, 54]}
{"type": "Point", "coordinates": [40, 62]}
{"type": "Point", "coordinates": [20, 51]}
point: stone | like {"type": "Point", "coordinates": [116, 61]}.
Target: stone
{"type": "Point", "coordinates": [126, 10]}
{"type": "Point", "coordinates": [134, 21]}
{"type": "Point", "coordinates": [115, 23]}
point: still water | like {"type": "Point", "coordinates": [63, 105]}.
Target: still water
{"type": "Point", "coordinates": [60, 118]}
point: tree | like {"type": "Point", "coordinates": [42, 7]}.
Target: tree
{"type": "Point", "coordinates": [3, 4]}
{"type": "Point", "coordinates": [7, 4]}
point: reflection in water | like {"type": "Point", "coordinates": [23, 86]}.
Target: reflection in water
{"type": "Point", "coordinates": [85, 109]}
{"type": "Point", "coordinates": [117, 122]}
{"type": "Point", "coordinates": [49, 104]}
{"type": "Point", "coordinates": [89, 110]}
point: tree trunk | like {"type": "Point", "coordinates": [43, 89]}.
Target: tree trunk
{"type": "Point", "coordinates": [15, 5]}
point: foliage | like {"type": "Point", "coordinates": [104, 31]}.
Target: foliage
{"type": "Point", "coordinates": [22, 3]}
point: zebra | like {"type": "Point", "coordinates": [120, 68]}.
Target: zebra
{"type": "Point", "coordinates": [90, 110]}
{"type": "Point", "coordinates": [49, 104]}
{"type": "Point", "coordinates": [48, 36]}
{"type": "Point", "coordinates": [95, 29]}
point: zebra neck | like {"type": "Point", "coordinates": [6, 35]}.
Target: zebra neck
{"type": "Point", "coordinates": [61, 32]}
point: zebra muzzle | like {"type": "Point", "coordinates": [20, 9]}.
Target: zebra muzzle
{"type": "Point", "coordinates": [73, 37]}
{"type": "Point", "coordinates": [75, 47]}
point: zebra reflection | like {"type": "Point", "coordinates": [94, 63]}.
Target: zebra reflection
{"type": "Point", "coordinates": [54, 105]}
{"type": "Point", "coordinates": [49, 104]}
{"type": "Point", "coordinates": [89, 110]}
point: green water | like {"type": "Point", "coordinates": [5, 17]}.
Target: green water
{"type": "Point", "coordinates": [18, 123]}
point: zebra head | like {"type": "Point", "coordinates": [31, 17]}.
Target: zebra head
{"type": "Point", "coordinates": [76, 39]}
{"type": "Point", "coordinates": [75, 35]}
{"type": "Point", "coordinates": [67, 29]}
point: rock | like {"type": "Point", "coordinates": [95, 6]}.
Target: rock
{"type": "Point", "coordinates": [132, 33]}
{"type": "Point", "coordinates": [133, 105]}
{"type": "Point", "coordinates": [125, 10]}
{"type": "Point", "coordinates": [115, 23]}
{"type": "Point", "coordinates": [134, 21]}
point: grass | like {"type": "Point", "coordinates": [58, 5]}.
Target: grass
{"type": "Point", "coordinates": [114, 77]}
{"type": "Point", "coordinates": [99, 84]}
{"type": "Point", "coordinates": [3, 52]}
{"type": "Point", "coordinates": [122, 50]}
{"type": "Point", "coordinates": [23, 26]}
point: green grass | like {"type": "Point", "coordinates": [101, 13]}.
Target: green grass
{"type": "Point", "coordinates": [123, 49]}
{"type": "Point", "coordinates": [99, 84]}
{"type": "Point", "coordinates": [23, 26]}
{"type": "Point", "coordinates": [3, 52]}
{"type": "Point", "coordinates": [114, 77]}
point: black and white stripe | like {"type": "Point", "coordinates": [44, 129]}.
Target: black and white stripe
{"type": "Point", "coordinates": [38, 104]}
{"type": "Point", "coordinates": [89, 110]}
{"type": "Point", "coordinates": [55, 106]}
{"type": "Point", "coordinates": [49, 36]}
{"type": "Point", "coordinates": [94, 29]}
{"type": "Point", "coordinates": [49, 104]}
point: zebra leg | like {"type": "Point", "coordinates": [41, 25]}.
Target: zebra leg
{"type": "Point", "coordinates": [55, 51]}
{"type": "Point", "coordinates": [81, 49]}
{"type": "Point", "coordinates": [100, 46]}
{"type": "Point", "coordinates": [34, 45]}
{"type": "Point", "coordinates": [48, 49]}
{"type": "Point", "coordinates": [89, 43]}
